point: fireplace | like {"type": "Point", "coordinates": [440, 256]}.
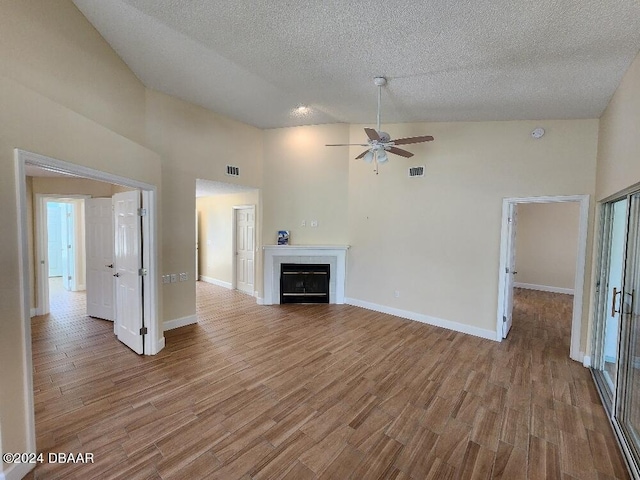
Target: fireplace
{"type": "Point", "coordinates": [304, 283]}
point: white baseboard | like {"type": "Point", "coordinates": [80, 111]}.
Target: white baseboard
{"type": "Point", "coordinates": [544, 288]}
{"type": "Point", "coordinates": [215, 281]}
{"type": "Point", "coordinates": [34, 312]}
{"type": "Point", "coordinates": [259, 300]}
{"type": "Point", "coordinates": [586, 360]}
{"type": "Point", "coordinates": [16, 471]}
{"type": "Point", "coordinates": [160, 344]}
{"type": "Point", "coordinates": [419, 317]}
{"type": "Point", "coordinates": [180, 322]}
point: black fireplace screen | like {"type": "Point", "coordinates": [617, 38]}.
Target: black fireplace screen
{"type": "Point", "coordinates": [304, 283]}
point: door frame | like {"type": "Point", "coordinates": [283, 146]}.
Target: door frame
{"type": "Point", "coordinates": [234, 257]}
{"type": "Point", "coordinates": [154, 340]}
{"type": "Point", "coordinates": [41, 251]}
{"type": "Point", "coordinates": [576, 322]}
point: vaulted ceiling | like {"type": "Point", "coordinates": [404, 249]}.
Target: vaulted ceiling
{"type": "Point", "coordinates": [446, 60]}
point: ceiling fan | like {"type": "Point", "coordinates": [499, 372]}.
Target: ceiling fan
{"type": "Point", "coordinates": [379, 142]}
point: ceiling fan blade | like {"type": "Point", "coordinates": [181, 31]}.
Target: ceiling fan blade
{"type": "Point", "coordinates": [372, 134]}
{"type": "Point", "coordinates": [399, 151]}
{"type": "Point", "coordinates": [346, 144]}
{"type": "Point", "coordinates": [362, 155]}
{"type": "Point", "coordinates": [408, 140]}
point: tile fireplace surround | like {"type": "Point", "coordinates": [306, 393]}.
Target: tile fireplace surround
{"type": "Point", "coordinates": [275, 255]}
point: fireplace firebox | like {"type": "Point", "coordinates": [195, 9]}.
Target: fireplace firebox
{"type": "Point", "coordinates": [304, 283]}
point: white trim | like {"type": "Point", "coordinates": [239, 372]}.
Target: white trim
{"type": "Point", "coordinates": [150, 291]}
{"type": "Point", "coordinates": [34, 313]}
{"type": "Point", "coordinates": [180, 322]}
{"type": "Point", "coordinates": [160, 344]}
{"type": "Point", "coordinates": [586, 360]}
{"type": "Point", "coordinates": [576, 322]}
{"type": "Point", "coordinates": [544, 288]}
{"type": "Point", "coordinates": [419, 317]}
{"type": "Point", "coordinates": [17, 471]}
{"type": "Point", "coordinates": [259, 300]}
{"type": "Point", "coordinates": [215, 281]}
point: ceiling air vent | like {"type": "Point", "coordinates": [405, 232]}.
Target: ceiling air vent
{"type": "Point", "coordinates": [233, 171]}
{"type": "Point", "coordinates": [416, 171]}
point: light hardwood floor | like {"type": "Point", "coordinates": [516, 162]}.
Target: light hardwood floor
{"type": "Point", "coordinates": [319, 391]}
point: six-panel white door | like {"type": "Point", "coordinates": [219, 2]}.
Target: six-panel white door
{"type": "Point", "coordinates": [245, 249]}
{"type": "Point", "coordinates": [99, 238]}
{"type": "Point", "coordinates": [128, 261]}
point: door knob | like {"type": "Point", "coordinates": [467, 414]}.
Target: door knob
{"type": "Point", "coordinates": [109, 266]}
{"type": "Point", "coordinates": [116, 274]}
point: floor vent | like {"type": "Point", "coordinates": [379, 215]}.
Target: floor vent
{"type": "Point", "coordinates": [416, 171]}
{"type": "Point", "coordinates": [233, 171]}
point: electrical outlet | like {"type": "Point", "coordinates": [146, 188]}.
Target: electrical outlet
{"type": "Point", "coordinates": [396, 293]}
{"type": "Point", "coordinates": [166, 278]}
{"type": "Point", "coordinates": [183, 277]}
{"type": "Point", "coordinates": [314, 223]}
{"type": "Point", "coordinates": [174, 277]}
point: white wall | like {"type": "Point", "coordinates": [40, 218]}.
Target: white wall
{"type": "Point", "coordinates": [547, 245]}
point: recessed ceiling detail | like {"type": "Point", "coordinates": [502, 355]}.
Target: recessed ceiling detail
{"type": "Point", "coordinates": [445, 61]}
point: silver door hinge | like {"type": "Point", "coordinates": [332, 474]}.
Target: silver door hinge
{"type": "Point", "coordinates": [510, 220]}
{"type": "Point", "coordinates": [142, 212]}
{"type": "Point", "coordinates": [143, 331]}
{"type": "Point", "coordinates": [504, 319]}
{"type": "Point", "coordinates": [506, 270]}
{"type": "Point", "coordinates": [142, 272]}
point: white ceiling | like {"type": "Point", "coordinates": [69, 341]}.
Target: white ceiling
{"type": "Point", "coordinates": [446, 60]}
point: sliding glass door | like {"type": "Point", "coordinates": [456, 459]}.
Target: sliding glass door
{"type": "Point", "coordinates": [616, 362]}
{"type": "Point", "coordinates": [614, 221]}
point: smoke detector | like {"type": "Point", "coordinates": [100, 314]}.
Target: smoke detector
{"type": "Point", "coordinates": [537, 133]}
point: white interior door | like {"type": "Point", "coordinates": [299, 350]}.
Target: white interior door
{"type": "Point", "coordinates": [128, 261]}
{"type": "Point", "coordinates": [99, 238]}
{"type": "Point", "coordinates": [67, 236]}
{"type": "Point", "coordinates": [510, 270]}
{"type": "Point", "coordinates": [245, 249]}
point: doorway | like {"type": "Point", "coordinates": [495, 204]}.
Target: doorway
{"type": "Point", "coordinates": [59, 246]}
{"type": "Point", "coordinates": [153, 340]}
{"type": "Point", "coordinates": [507, 267]}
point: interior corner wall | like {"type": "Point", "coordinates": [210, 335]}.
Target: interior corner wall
{"type": "Point", "coordinates": [435, 240]}
{"type": "Point", "coordinates": [306, 181]}
{"type": "Point", "coordinates": [619, 137]}
{"type": "Point", "coordinates": [194, 143]}
{"type": "Point", "coordinates": [216, 233]}
{"type": "Point", "coordinates": [547, 245]}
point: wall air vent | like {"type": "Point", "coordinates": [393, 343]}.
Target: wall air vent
{"type": "Point", "coordinates": [233, 171]}
{"type": "Point", "coordinates": [416, 171]}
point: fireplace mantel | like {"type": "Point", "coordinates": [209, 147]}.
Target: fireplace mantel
{"type": "Point", "coordinates": [275, 255]}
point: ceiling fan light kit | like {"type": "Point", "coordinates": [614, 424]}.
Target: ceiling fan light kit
{"type": "Point", "coordinates": [379, 143]}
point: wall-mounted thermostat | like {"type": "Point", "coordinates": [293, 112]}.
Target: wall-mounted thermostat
{"type": "Point", "coordinates": [538, 133]}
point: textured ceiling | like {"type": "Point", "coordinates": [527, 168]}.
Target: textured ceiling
{"type": "Point", "coordinates": [256, 60]}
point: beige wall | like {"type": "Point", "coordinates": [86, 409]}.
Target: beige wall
{"type": "Point", "coordinates": [193, 143]}
{"type": "Point", "coordinates": [547, 244]}
{"type": "Point", "coordinates": [436, 239]}
{"type": "Point", "coordinates": [66, 94]}
{"type": "Point", "coordinates": [619, 137]}
{"type": "Point", "coordinates": [50, 47]}
{"type": "Point", "coordinates": [304, 180]}
{"type": "Point", "coordinates": [216, 233]}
